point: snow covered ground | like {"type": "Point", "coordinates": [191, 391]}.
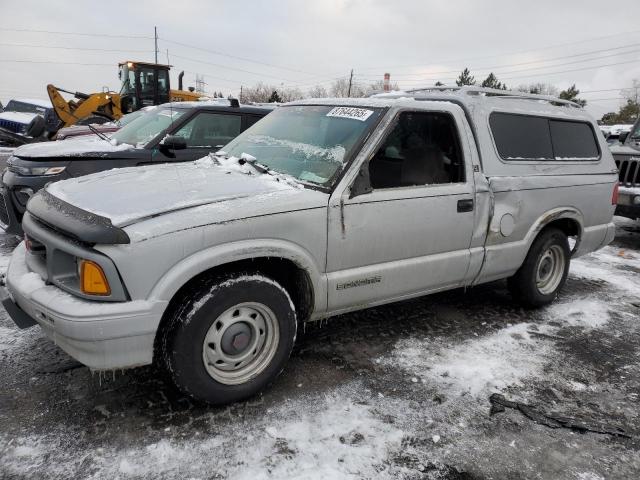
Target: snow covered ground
{"type": "Point", "coordinates": [400, 391]}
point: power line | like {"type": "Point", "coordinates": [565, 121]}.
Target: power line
{"type": "Point", "coordinates": [58, 63]}
{"type": "Point", "coordinates": [426, 78]}
{"type": "Point", "coordinates": [236, 57]}
{"type": "Point", "coordinates": [106, 35]}
{"type": "Point", "coordinates": [495, 67]}
{"type": "Point", "coordinates": [550, 47]}
{"type": "Point", "coordinates": [73, 48]}
{"type": "Point", "coordinates": [225, 67]}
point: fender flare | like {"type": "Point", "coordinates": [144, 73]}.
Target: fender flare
{"type": "Point", "coordinates": [199, 262]}
{"type": "Point", "coordinates": [552, 215]}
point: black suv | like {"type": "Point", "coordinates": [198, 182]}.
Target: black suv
{"type": "Point", "coordinates": [173, 132]}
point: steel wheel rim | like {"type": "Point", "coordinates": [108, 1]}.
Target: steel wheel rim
{"type": "Point", "coordinates": [240, 343]}
{"type": "Point", "coordinates": [550, 269]}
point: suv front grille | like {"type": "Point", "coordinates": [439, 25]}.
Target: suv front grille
{"type": "Point", "coordinates": [629, 175]}
{"type": "Point", "coordinates": [13, 126]}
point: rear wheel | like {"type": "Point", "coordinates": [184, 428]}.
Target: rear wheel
{"type": "Point", "coordinates": [544, 271]}
{"type": "Point", "coordinates": [229, 338]}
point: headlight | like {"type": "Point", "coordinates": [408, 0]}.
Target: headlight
{"type": "Point", "coordinates": [636, 200]}
{"type": "Point", "coordinates": [36, 171]}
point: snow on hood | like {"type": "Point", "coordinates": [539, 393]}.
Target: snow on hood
{"type": "Point", "coordinates": [78, 147]}
{"type": "Point", "coordinates": [624, 150]}
{"type": "Point", "coordinates": [128, 195]}
{"type": "Point", "coordinates": [19, 117]}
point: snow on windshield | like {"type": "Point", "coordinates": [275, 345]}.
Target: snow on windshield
{"type": "Point", "coordinates": [333, 154]}
{"type": "Point", "coordinates": [308, 142]}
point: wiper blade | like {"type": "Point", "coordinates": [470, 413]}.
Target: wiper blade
{"type": "Point", "coordinates": [99, 134]}
{"type": "Point", "coordinates": [253, 161]}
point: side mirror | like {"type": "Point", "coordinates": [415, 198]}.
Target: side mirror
{"type": "Point", "coordinates": [623, 137]}
{"type": "Point", "coordinates": [362, 184]}
{"type": "Point", "coordinates": [174, 142]}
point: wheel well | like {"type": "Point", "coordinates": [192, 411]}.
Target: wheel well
{"type": "Point", "coordinates": [570, 227]}
{"type": "Point", "coordinates": [287, 273]}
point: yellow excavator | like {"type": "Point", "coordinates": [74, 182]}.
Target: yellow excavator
{"type": "Point", "coordinates": [142, 84]}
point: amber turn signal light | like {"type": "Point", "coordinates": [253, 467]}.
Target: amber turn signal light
{"type": "Point", "coordinates": [93, 281]}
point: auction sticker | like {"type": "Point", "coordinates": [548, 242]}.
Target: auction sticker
{"type": "Point", "coordinates": [350, 112]}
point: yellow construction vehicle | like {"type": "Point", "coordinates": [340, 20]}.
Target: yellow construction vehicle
{"type": "Point", "coordinates": [142, 84]}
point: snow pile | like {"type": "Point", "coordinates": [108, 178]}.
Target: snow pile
{"type": "Point", "coordinates": [613, 265]}
{"type": "Point", "coordinates": [478, 366]}
{"type": "Point", "coordinates": [310, 438]}
{"type": "Point", "coordinates": [580, 313]}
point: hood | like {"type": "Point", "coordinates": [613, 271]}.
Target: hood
{"type": "Point", "coordinates": [80, 147]}
{"type": "Point", "coordinates": [129, 195]}
{"type": "Point", "coordinates": [623, 151]}
{"type": "Point", "coordinates": [18, 117]}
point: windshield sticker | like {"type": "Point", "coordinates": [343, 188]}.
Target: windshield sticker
{"type": "Point", "coordinates": [350, 112]}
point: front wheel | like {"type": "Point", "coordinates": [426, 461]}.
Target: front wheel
{"type": "Point", "coordinates": [229, 338]}
{"type": "Point", "coordinates": [544, 271]}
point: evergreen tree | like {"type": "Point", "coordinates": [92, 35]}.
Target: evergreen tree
{"type": "Point", "coordinates": [492, 82]}
{"type": "Point", "coordinates": [465, 78]}
{"type": "Point", "coordinates": [629, 112]}
{"type": "Point", "coordinates": [610, 118]}
{"type": "Point", "coordinates": [274, 98]}
{"type": "Point", "coordinates": [571, 94]}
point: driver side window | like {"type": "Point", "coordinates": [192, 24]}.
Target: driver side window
{"type": "Point", "coordinates": [422, 149]}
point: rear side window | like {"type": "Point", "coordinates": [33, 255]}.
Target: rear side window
{"type": "Point", "coordinates": [573, 141]}
{"type": "Point", "coordinates": [523, 137]}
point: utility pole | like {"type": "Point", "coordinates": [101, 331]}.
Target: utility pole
{"type": "Point", "coordinates": [240, 93]}
{"type": "Point", "coordinates": [155, 32]}
{"type": "Point", "coordinates": [350, 82]}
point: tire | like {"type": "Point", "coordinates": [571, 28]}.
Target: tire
{"type": "Point", "coordinates": [229, 337]}
{"type": "Point", "coordinates": [544, 271]}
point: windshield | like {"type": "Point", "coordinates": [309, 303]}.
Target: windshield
{"type": "Point", "coordinates": [16, 106]}
{"type": "Point", "coordinates": [635, 133]}
{"type": "Point", "coordinates": [310, 143]}
{"type": "Point", "coordinates": [147, 126]}
{"type": "Point", "coordinates": [128, 79]}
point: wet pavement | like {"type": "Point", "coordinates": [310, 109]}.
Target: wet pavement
{"type": "Point", "coordinates": [399, 391]}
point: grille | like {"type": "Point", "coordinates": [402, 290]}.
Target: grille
{"type": "Point", "coordinates": [15, 127]}
{"type": "Point", "coordinates": [629, 172]}
{"type": "Point", "coordinates": [4, 214]}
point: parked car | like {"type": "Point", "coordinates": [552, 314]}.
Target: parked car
{"type": "Point", "coordinates": [627, 158]}
{"type": "Point", "coordinates": [323, 207]}
{"type": "Point", "coordinates": [77, 130]}
{"type": "Point", "coordinates": [18, 114]}
{"type": "Point", "coordinates": [615, 131]}
{"type": "Point", "coordinates": [170, 133]}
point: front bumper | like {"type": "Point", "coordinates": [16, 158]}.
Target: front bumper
{"type": "Point", "coordinates": [101, 335]}
{"type": "Point", "coordinates": [628, 203]}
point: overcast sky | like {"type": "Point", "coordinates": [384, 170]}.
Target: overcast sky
{"type": "Point", "coordinates": [594, 44]}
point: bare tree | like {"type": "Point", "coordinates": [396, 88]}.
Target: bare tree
{"type": "Point", "coordinates": [317, 92]}
{"type": "Point", "coordinates": [633, 93]}
{"type": "Point", "coordinates": [539, 88]}
{"type": "Point", "coordinates": [262, 93]}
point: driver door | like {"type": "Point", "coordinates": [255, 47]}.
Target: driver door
{"type": "Point", "coordinates": [411, 233]}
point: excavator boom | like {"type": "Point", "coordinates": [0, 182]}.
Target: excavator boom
{"type": "Point", "coordinates": [104, 105]}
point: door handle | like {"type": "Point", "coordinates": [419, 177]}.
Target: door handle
{"type": "Point", "coordinates": [465, 205]}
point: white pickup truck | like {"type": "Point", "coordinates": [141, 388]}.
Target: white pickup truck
{"type": "Point", "coordinates": [323, 207]}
